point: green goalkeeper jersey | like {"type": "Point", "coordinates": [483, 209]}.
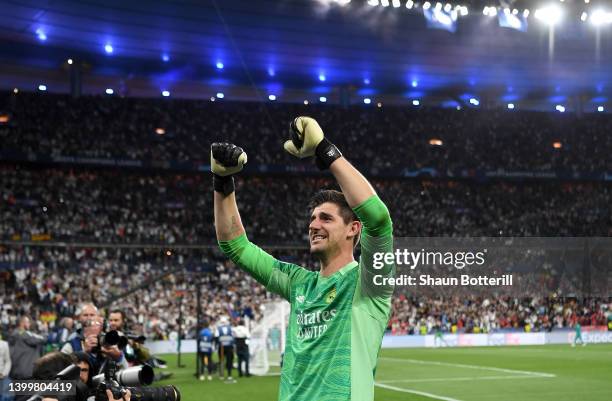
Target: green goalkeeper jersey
{"type": "Point", "coordinates": [337, 322]}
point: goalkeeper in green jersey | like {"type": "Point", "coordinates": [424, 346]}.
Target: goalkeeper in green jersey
{"type": "Point", "coordinates": [338, 315]}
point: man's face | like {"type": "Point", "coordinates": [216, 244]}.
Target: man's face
{"type": "Point", "coordinates": [26, 323]}
{"type": "Point", "coordinates": [115, 321]}
{"type": "Point", "coordinates": [84, 371]}
{"type": "Point", "coordinates": [88, 313]}
{"type": "Point", "coordinates": [327, 230]}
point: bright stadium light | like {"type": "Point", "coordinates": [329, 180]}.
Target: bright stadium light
{"type": "Point", "coordinates": [165, 58]}
{"type": "Point", "coordinates": [490, 11]}
{"type": "Point", "coordinates": [69, 61]}
{"type": "Point", "coordinates": [463, 10]}
{"type": "Point", "coordinates": [165, 93]}
{"type": "Point", "coordinates": [366, 81]}
{"type": "Point", "coordinates": [108, 48]}
{"type": "Point", "coordinates": [426, 5]}
{"type": "Point", "coordinates": [384, 3]}
{"type": "Point", "coordinates": [601, 17]}
{"type": "Point", "coordinates": [322, 99]}
{"type": "Point", "coordinates": [511, 106]}
{"type": "Point", "coordinates": [272, 97]}
{"type": "Point", "coordinates": [438, 7]}
{"type": "Point", "coordinates": [526, 13]}
{"type": "Point", "coordinates": [42, 87]}
{"type": "Point", "coordinates": [448, 7]}
{"type": "Point", "coordinates": [109, 91]}
{"type": "Point", "coordinates": [220, 95]}
{"type": "Point", "coordinates": [557, 145]}
{"type": "Point", "coordinates": [474, 101]}
{"type": "Point", "coordinates": [220, 65]}
{"type": "Point", "coordinates": [373, 3]}
{"type": "Point", "coordinates": [305, 102]}
{"type": "Point", "coordinates": [42, 36]}
{"type": "Point", "coordinates": [600, 109]}
{"type": "Point", "coordinates": [515, 12]}
{"type": "Point", "coordinates": [367, 100]}
{"type": "Point", "coordinates": [560, 108]}
{"type": "Point", "coordinates": [396, 3]}
{"type": "Point", "coordinates": [549, 15]}
{"type": "Point", "coordinates": [416, 102]}
{"type": "Point", "coordinates": [584, 16]}
{"type": "Point", "coordinates": [409, 4]}
{"type": "Point", "coordinates": [322, 77]}
{"type": "Point", "coordinates": [414, 83]}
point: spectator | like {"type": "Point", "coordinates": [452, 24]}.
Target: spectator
{"type": "Point", "coordinates": [25, 347]}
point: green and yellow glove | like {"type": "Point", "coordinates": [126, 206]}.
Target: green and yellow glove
{"type": "Point", "coordinates": [307, 139]}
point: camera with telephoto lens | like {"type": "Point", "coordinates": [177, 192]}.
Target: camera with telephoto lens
{"type": "Point", "coordinates": [112, 337]}
{"type": "Point", "coordinates": [119, 381]}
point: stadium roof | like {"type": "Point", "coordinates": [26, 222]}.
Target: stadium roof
{"type": "Point", "coordinates": [314, 46]}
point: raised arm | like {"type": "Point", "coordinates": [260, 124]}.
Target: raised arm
{"type": "Point", "coordinates": [307, 140]}
{"type": "Point", "coordinates": [225, 160]}
{"type": "Point", "coordinates": [227, 218]}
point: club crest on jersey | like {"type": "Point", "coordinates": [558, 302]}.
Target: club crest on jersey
{"type": "Point", "coordinates": [300, 298]}
{"type": "Point", "coordinates": [330, 296]}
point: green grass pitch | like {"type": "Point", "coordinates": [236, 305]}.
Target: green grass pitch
{"type": "Point", "coordinates": [530, 373]}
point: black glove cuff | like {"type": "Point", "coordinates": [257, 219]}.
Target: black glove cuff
{"type": "Point", "coordinates": [225, 185]}
{"type": "Point", "coordinates": [326, 152]}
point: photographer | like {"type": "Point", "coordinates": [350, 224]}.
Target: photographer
{"type": "Point", "coordinates": [82, 361]}
{"type": "Point", "coordinates": [89, 342]}
{"type": "Point", "coordinates": [86, 312]}
{"type": "Point", "coordinates": [48, 367]}
{"type": "Point", "coordinates": [135, 352]}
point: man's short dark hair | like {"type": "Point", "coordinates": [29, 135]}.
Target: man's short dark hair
{"type": "Point", "coordinates": [337, 198]}
{"type": "Point", "coordinates": [119, 311]}
{"type": "Point", "coordinates": [48, 366]}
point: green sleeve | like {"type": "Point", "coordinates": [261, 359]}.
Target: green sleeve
{"type": "Point", "coordinates": [273, 274]}
{"type": "Point", "coordinates": [376, 238]}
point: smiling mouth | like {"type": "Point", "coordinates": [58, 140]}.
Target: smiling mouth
{"type": "Point", "coordinates": [317, 237]}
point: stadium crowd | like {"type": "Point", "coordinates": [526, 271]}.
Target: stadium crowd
{"type": "Point", "coordinates": [139, 241]}
{"type": "Point", "coordinates": [164, 130]}
{"type": "Point", "coordinates": [49, 283]}
{"type": "Point", "coordinates": [114, 206]}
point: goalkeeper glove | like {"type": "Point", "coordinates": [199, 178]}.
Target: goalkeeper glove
{"type": "Point", "coordinates": [226, 159]}
{"type": "Point", "coordinates": [307, 140]}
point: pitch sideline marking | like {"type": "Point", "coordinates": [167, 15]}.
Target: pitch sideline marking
{"type": "Point", "coordinates": [458, 379]}
{"type": "Point", "coordinates": [477, 367]}
{"type": "Point", "coordinates": [422, 393]}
